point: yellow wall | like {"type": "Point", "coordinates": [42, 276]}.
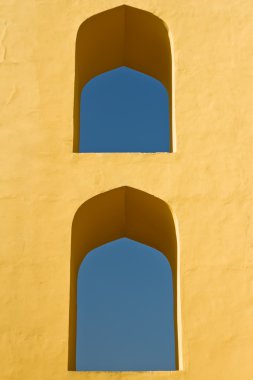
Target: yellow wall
{"type": "Point", "coordinates": [207, 182]}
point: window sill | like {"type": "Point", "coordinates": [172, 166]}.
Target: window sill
{"type": "Point", "coordinates": [138, 375]}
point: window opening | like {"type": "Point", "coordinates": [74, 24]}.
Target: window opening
{"type": "Point", "coordinates": [125, 316]}
{"type": "Point", "coordinates": [122, 37]}
{"type": "Point", "coordinates": [129, 213]}
{"type": "Point", "coordinates": [124, 110]}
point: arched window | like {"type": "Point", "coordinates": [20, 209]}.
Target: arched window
{"type": "Point", "coordinates": [122, 37]}
{"type": "Point", "coordinates": [124, 110]}
{"type": "Point", "coordinates": [122, 213]}
{"type": "Point", "coordinates": [125, 318]}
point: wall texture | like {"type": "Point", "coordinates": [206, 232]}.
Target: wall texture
{"type": "Point", "coordinates": [207, 183]}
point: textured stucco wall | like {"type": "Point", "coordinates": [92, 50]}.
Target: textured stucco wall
{"type": "Point", "coordinates": [207, 183]}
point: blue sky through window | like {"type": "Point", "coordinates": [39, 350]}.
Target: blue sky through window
{"type": "Point", "coordinates": [124, 110]}
{"type": "Point", "coordinates": [125, 309]}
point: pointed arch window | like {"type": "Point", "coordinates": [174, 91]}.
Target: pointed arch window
{"type": "Point", "coordinates": [136, 43]}
{"type": "Point", "coordinates": [124, 213]}
{"type": "Point", "coordinates": [125, 318]}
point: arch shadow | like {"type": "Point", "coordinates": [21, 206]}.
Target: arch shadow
{"type": "Point", "coordinates": [122, 36]}
{"type": "Point", "coordinates": [122, 212]}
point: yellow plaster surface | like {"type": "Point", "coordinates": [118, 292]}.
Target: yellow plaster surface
{"type": "Point", "coordinates": [207, 183]}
